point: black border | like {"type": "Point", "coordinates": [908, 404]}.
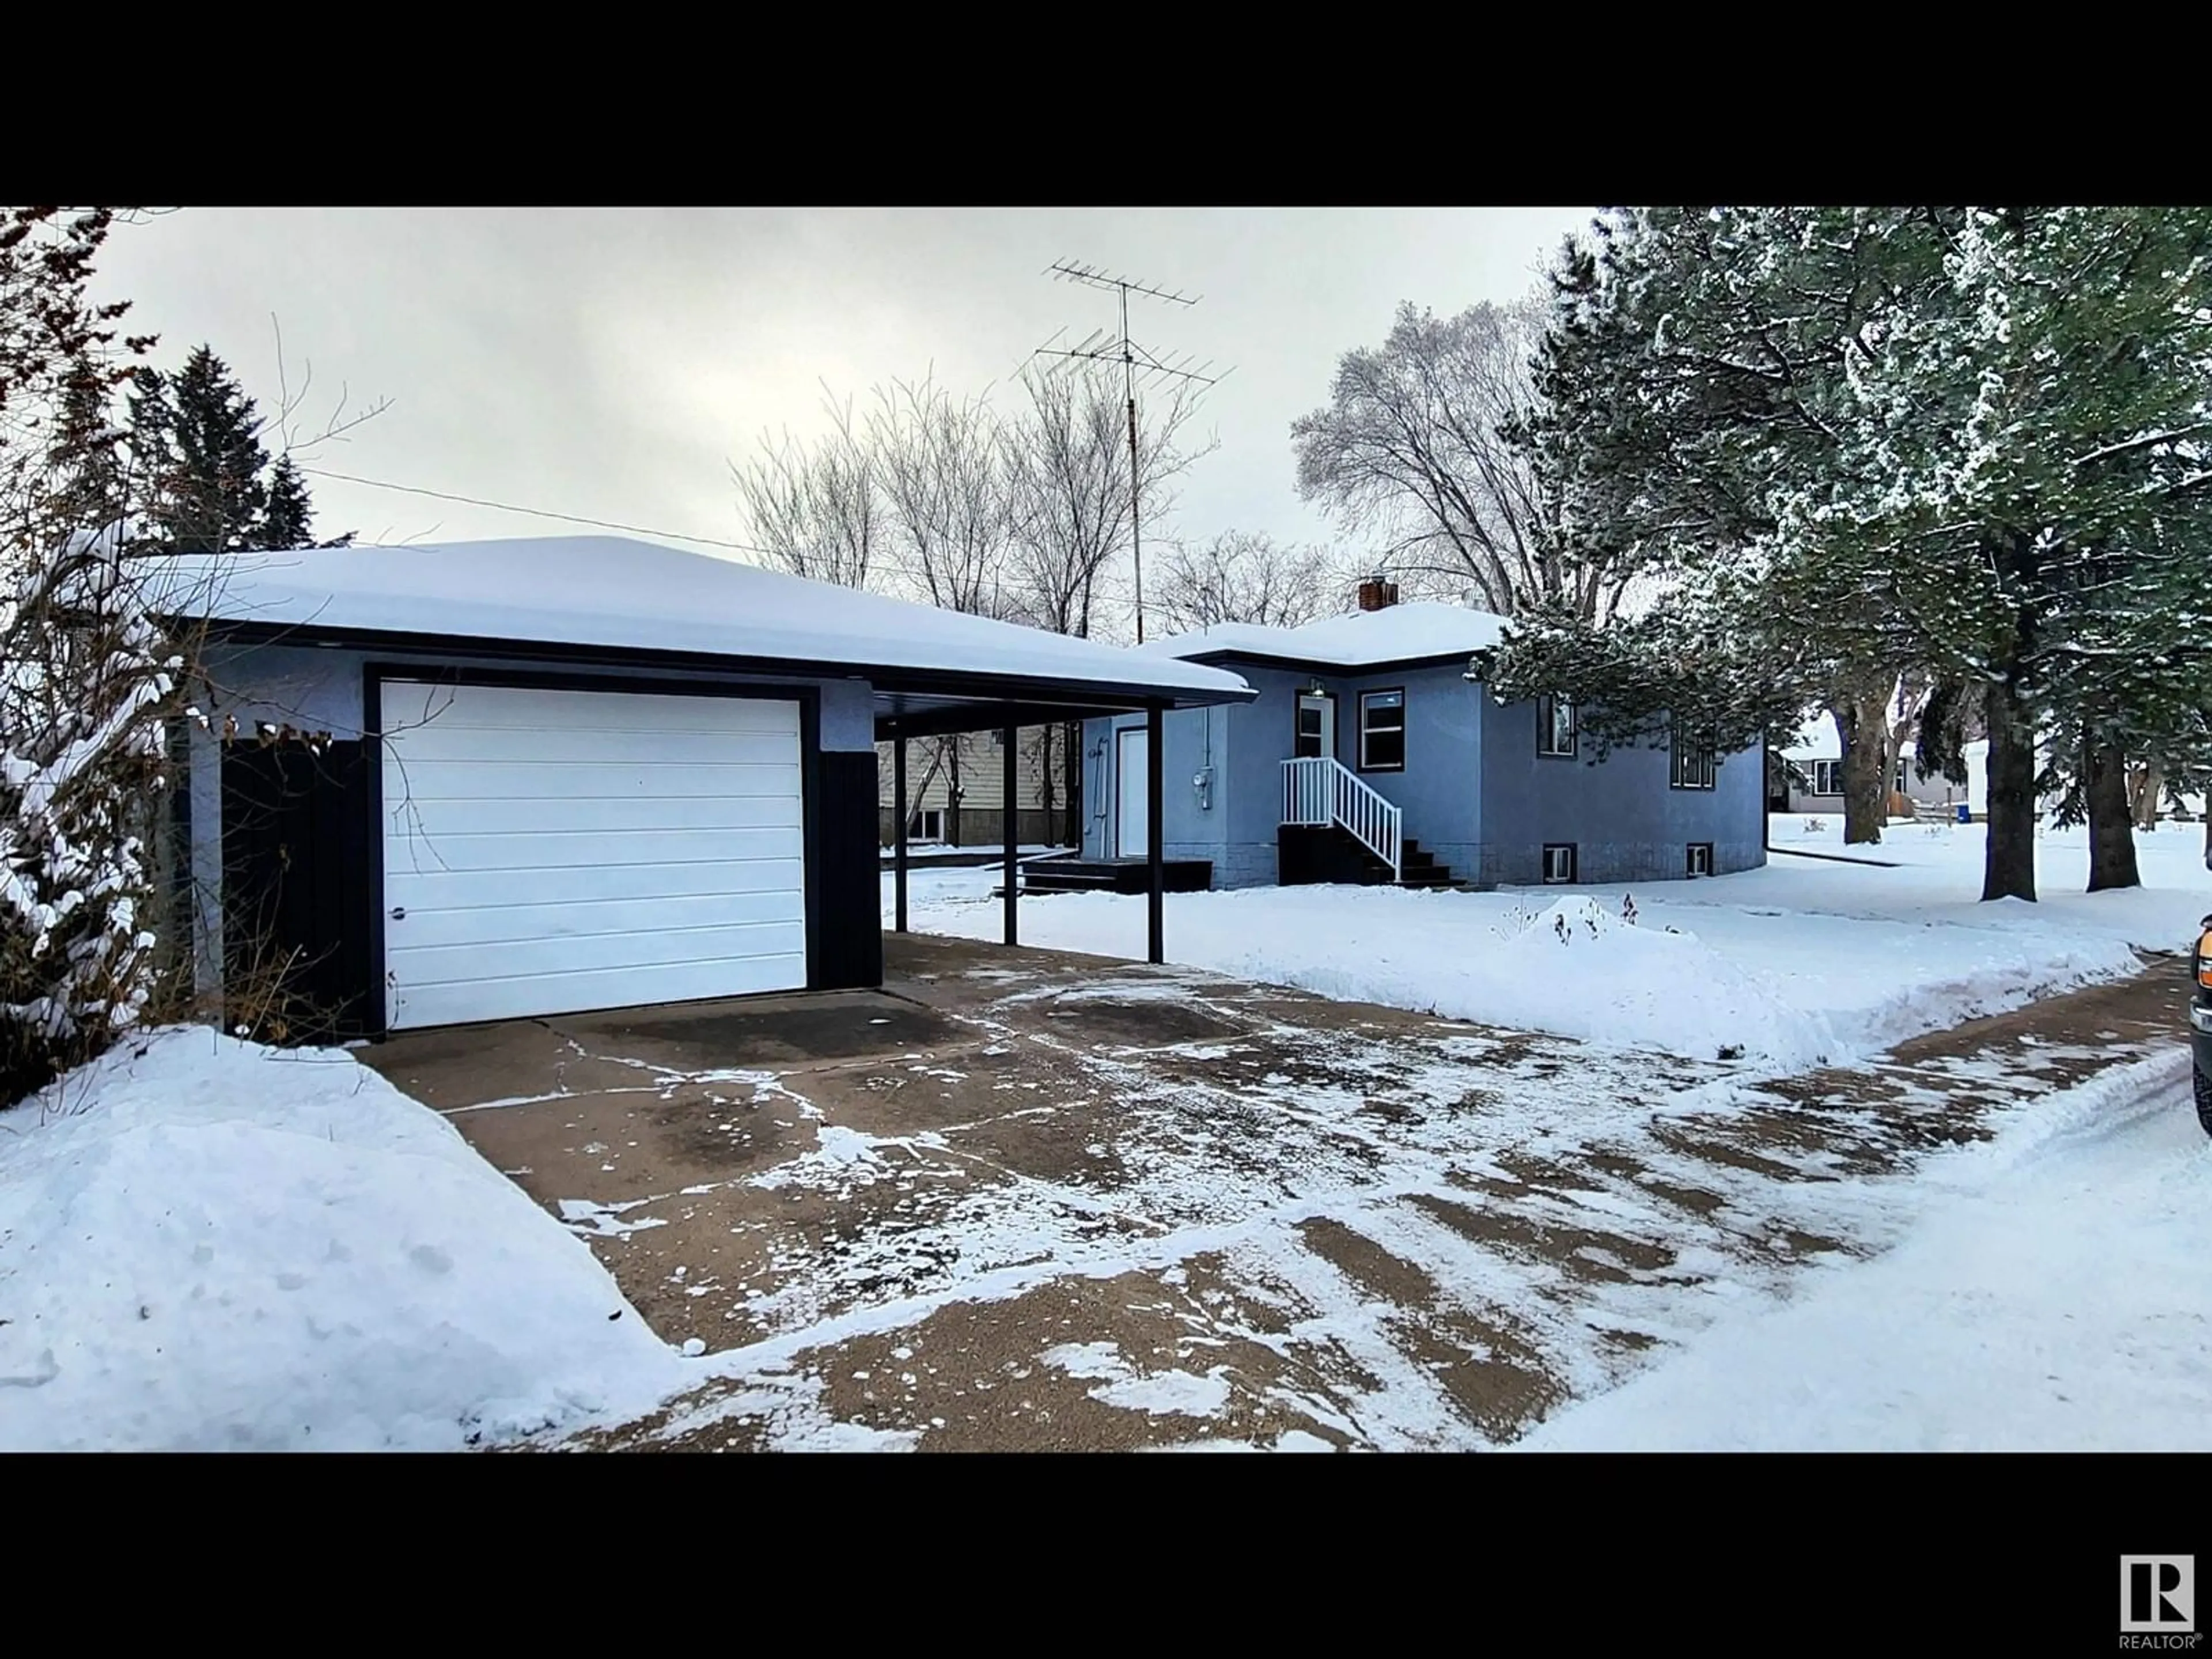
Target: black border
{"type": "Point", "coordinates": [375, 671]}
{"type": "Point", "coordinates": [1359, 727]}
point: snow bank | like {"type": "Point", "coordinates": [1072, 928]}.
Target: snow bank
{"type": "Point", "coordinates": [2050, 1296]}
{"type": "Point", "coordinates": [205, 1244]}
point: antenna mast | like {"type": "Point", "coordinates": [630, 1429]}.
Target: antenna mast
{"type": "Point", "coordinates": [1100, 348]}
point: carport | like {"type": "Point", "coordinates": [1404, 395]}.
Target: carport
{"type": "Point", "coordinates": [904, 712]}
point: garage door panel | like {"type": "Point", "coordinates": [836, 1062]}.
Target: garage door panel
{"type": "Point", "coordinates": [432, 889]}
{"type": "Point", "coordinates": [411, 704]}
{"type": "Point", "coordinates": [548, 852]}
{"type": "Point", "coordinates": [592, 953]}
{"type": "Point", "coordinates": [502, 924]}
{"type": "Point", "coordinates": [413, 777]}
{"type": "Point", "coordinates": [440, 742]}
{"type": "Point", "coordinates": [531, 994]}
{"type": "Point", "coordinates": [583, 851]}
{"type": "Point", "coordinates": [510, 817]}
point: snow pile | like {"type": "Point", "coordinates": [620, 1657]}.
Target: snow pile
{"type": "Point", "coordinates": [2051, 1297]}
{"type": "Point", "coordinates": [205, 1244]}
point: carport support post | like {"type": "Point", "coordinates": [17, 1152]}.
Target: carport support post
{"type": "Point", "coordinates": [1155, 855]}
{"type": "Point", "coordinates": [898, 845]}
{"type": "Point", "coordinates": [1012, 820]}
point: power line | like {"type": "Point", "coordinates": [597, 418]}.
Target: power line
{"type": "Point", "coordinates": [875, 561]}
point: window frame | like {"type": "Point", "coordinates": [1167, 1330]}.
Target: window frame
{"type": "Point", "coordinates": [1574, 863]}
{"type": "Point", "coordinates": [1547, 724]}
{"type": "Point", "coordinates": [1835, 774]}
{"type": "Point", "coordinates": [1692, 765]}
{"type": "Point", "coordinates": [1690, 859]}
{"type": "Point", "coordinates": [1360, 740]}
{"type": "Point", "coordinates": [918, 829]}
{"type": "Point", "coordinates": [1298, 706]}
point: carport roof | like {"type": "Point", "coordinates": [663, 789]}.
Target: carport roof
{"type": "Point", "coordinates": [609, 598]}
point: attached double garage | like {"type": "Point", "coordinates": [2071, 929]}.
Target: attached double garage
{"type": "Point", "coordinates": [390, 828]}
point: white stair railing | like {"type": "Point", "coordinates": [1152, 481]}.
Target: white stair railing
{"type": "Point", "coordinates": [1318, 790]}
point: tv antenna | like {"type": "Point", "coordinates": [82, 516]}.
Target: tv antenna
{"type": "Point", "coordinates": [1100, 346]}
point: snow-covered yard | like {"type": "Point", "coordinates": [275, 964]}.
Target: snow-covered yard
{"type": "Point", "coordinates": [206, 1244]}
{"type": "Point", "coordinates": [2050, 1297]}
{"type": "Point", "coordinates": [1803, 960]}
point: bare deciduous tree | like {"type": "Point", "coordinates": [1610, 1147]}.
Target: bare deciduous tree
{"type": "Point", "coordinates": [816, 512]}
{"type": "Point", "coordinates": [1243, 576]}
{"type": "Point", "coordinates": [1413, 446]}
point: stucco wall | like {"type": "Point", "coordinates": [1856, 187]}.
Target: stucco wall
{"type": "Point", "coordinates": [1620, 814]}
{"type": "Point", "coordinates": [1475, 792]}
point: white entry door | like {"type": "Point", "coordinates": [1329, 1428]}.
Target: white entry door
{"type": "Point", "coordinates": [1316, 733]}
{"type": "Point", "coordinates": [1132, 796]}
{"type": "Point", "coordinates": [549, 852]}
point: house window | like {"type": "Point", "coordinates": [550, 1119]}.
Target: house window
{"type": "Point", "coordinates": [927, 824]}
{"type": "Point", "coordinates": [1701, 858]}
{"type": "Point", "coordinates": [1555, 726]}
{"type": "Point", "coordinates": [1559, 862]}
{"type": "Point", "coordinates": [1828, 777]}
{"type": "Point", "coordinates": [1383, 731]}
{"type": "Point", "coordinates": [1694, 762]}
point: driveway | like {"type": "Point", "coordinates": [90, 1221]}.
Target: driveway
{"type": "Point", "coordinates": [1025, 1198]}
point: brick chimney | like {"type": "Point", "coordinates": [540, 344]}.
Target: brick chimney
{"type": "Point", "coordinates": [1376, 594]}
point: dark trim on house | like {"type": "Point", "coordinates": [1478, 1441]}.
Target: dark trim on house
{"type": "Point", "coordinates": [295, 945]}
{"type": "Point", "coordinates": [376, 1020]}
{"type": "Point", "coordinates": [1068, 700]}
{"type": "Point", "coordinates": [1359, 728]}
{"type": "Point", "coordinates": [845, 951]}
{"type": "Point", "coordinates": [1342, 671]}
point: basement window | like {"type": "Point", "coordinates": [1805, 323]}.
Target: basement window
{"type": "Point", "coordinates": [1701, 858]}
{"type": "Point", "coordinates": [1559, 862]}
{"type": "Point", "coordinates": [927, 824]}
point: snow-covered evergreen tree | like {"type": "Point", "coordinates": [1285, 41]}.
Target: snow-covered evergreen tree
{"type": "Point", "coordinates": [85, 671]}
{"type": "Point", "coordinates": [1965, 440]}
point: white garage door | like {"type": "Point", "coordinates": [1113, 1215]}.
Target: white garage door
{"type": "Point", "coordinates": [548, 851]}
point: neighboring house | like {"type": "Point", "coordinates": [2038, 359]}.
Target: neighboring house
{"type": "Point", "coordinates": [1368, 754]}
{"type": "Point", "coordinates": [526, 778]}
{"type": "Point", "coordinates": [1818, 757]}
{"type": "Point", "coordinates": [956, 790]}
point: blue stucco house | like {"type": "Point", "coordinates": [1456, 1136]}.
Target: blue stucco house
{"type": "Point", "coordinates": [1368, 755]}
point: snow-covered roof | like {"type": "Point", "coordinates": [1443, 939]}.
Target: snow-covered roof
{"type": "Point", "coordinates": [609, 592]}
{"type": "Point", "coordinates": [1819, 740]}
{"type": "Point", "coordinates": [1397, 632]}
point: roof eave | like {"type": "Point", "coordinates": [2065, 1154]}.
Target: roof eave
{"type": "Point", "coordinates": [1023, 689]}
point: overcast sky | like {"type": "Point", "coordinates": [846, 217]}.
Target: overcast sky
{"type": "Point", "coordinates": [612, 363]}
